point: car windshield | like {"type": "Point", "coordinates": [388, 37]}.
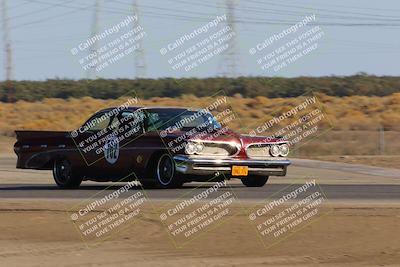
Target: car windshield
{"type": "Point", "coordinates": [179, 119]}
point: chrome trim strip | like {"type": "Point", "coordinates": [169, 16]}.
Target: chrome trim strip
{"type": "Point", "coordinates": [229, 168]}
{"type": "Point", "coordinates": [283, 162]}
{"type": "Point", "coordinates": [187, 165]}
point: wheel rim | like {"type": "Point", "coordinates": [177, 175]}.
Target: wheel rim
{"type": "Point", "coordinates": [165, 169]}
{"type": "Point", "coordinates": [62, 169]}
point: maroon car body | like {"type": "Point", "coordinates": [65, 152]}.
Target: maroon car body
{"type": "Point", "coordinates": [159, 147]}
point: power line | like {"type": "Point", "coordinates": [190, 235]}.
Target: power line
{"type": "Point", "coordinates": [360, 7]}
{"type": "Point", "coordinates": [269, 3]}
{"type": "Point", "coordinates": [52, 17]}
{"type": "Point", "coordinates": [243, 20]}
{"type": "Point", "coordinates": [286, 12]}
{"type": "Point", "coordinates": [163, 8]}
{"type": "Point", "coordinates": [349, 19]}
{"type": "Point", "coordinates": [140, 63]}
{"type": "Point", "coordinates": [93, 48]}
{"type": "Point", "coordinates": [39, 10]}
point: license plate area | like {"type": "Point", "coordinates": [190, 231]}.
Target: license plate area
{"type": "Point", "coordinates": [240, 170]}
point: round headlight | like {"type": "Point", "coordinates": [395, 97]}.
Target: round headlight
{"type": "Point", "coordinates": [198, 148]}
{"type": "Point", "coordinates": [275, 151]}
{"type": "Point", "coordinates": [190, 148]}
{"type": "Point", "coordinates": [284, 150]}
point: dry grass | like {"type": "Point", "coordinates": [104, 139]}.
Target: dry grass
{"type": "Point", "coordinates": [336, 142]}
{"type": "Point", "coordinates": [355, 119]}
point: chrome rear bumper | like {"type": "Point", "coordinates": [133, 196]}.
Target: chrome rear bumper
{"type": "Point", "coordinates": [206, 166]}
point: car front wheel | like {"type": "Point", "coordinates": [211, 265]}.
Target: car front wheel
{"type": "Point", "coordinates": [64, 176]}
{"type": "Point", "coordinates": [255, 181]}
{"type": "Point", "coordinates": [164, 173]}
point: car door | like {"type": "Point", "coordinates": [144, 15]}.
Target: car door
{"type": "Point", "coordinates": [91, 140]}
{"type": "Point", "coordinates": [126, 129]}
{"type": "Point", "coordinates": [137, 143]}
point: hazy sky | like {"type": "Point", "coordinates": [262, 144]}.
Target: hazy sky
{"type": "Point", "coordinates": [359, 36]}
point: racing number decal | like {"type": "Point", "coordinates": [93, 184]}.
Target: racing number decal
{"type": "Point", "coordinates": [111, 150]}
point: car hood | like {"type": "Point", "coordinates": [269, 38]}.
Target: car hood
{"type": "Point", "coordinates": [225, 135]}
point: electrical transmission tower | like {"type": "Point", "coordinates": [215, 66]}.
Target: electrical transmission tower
{"type": "Point", "coordinates": [7, 51]}
{"type": "Point", "coordinates": [229, 58]}
{"type": "Point", "coordinates": [90, 73]}
{"type": "Point", "coordinates": [140, 63]}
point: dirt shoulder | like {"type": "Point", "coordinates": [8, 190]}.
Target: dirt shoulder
{"type": "Point", "coordinates": [40, 233]}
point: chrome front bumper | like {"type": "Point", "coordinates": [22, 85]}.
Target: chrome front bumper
{"type": "Point", "coordinates": [209, 166]}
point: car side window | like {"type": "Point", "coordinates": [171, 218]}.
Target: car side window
{"type": "Point", "coordinates": [153, 122]}
{"type": "Point", "coordinates": [131, 122]}
{"type": "Point", "coordinates": [98, 122]}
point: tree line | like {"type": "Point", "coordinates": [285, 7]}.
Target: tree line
{"type": "Point", "coordinates": [360, 84]}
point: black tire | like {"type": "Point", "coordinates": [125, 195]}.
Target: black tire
{"type": "Point", "coordinates": [255, 181]}
{"type": "Point", "coordinates": [163, 173]}
{"type": "Point", "coordinates": [64, 176]}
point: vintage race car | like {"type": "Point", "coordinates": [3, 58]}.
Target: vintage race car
{"type": "Point", "coordinates": [161, 147]}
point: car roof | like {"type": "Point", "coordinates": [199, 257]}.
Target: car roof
{"type": "Point", "coordinates": [131, 108]}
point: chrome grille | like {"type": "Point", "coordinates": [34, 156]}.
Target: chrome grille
{"type": "Point", "coordinates": [219, 149]}
{"type": "Point", "coordinates": [258, 151]}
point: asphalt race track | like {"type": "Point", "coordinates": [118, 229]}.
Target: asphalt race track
{"type": "Point", "coordinates": [338, 182]}
{"type": "Point", "coordinates": [373, 192]}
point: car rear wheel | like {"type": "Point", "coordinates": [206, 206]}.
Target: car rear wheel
{"type": "Point", "coordinates": [64, 176]}
{"type": "Point", "coordinates": [255, 181]}
{"type": "Point", "coordinates": [164, 173]}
